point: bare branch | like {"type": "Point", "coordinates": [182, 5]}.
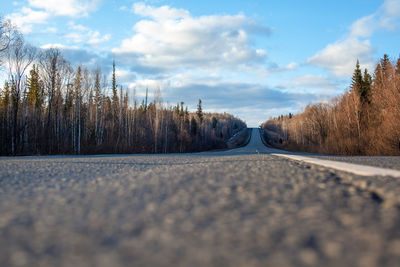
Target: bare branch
{"type": "Point", "coordinates": [8, 33]}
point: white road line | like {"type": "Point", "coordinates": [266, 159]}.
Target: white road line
{"type": "Point", "coordinates": [343, 166]}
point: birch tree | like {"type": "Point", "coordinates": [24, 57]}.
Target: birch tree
{"type": "Point", "coordinates": [20, 57]}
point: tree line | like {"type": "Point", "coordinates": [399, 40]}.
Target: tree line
{"type": "Point", "coordinates": [365, 120]}
{"type": "Point", "coordinates": [47, 106]}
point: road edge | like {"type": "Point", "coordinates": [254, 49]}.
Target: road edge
{"type": "Point", "coordinates": [357, 169]}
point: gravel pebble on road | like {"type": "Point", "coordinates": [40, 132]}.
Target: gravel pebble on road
{"type": "Point", "coordinates": [220, 209]}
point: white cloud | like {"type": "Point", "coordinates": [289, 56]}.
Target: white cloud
{"type": "Point", "coordinates": [392, 8]}
{"type": "Point", "coordinates": [96, 38]}
{"type": "Point", "coordinates": [171, 38]}
{"type": "Point", "coordinates": [340, 57]}
{"type": "Point", "coordinates": [124, 76]}
{"type": "Point", "coordinates": [364, 27]}
{"type": "Point", "coordinates": [74, 37]}
{"type": "Point", "coordinates": [26, 17]}
{"type": "Point", "coordinates": [40, 11]}
{"type": "Point", "coordinates": [160, 13]}
{"type": "Point", "coordinates": [59, 46]}
{"type": "Point", "coordinates": [309, 83]}
{"type": "Point", "coordinates": [77, 55]}
{"type": "Point", "coordinates": [386, 17]}
{"type": "Point", "coordinates": [291, 66]}
{"type": "Point", "coordinates": [83, 34]}
{"type": "Point", "coordinates": [149, 83]}
{"type": "Point", "coordinates": [77, 27]}
{"type": "Point", "coordinates": [71, 8]}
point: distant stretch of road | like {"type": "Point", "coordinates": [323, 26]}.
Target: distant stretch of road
{"type": "Point", "coordinates": [252, 206]}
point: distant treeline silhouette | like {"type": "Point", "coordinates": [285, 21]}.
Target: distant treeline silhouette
{"type": "Point", "coordinates": [365, 120]}
{"type": "Point", "coordinates": [49, 107]}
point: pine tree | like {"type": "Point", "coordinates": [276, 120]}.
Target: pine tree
{"type": "Point", "coordinates": [5, 100]}
{"type": "Point", "coordinates": [176, 108]}
{"type": "Point", "coordinates": [193, 126]}
{"type": "Point", "coordinates": [182, 112]}
{"type": "Point", "coordinates": [378, 77]}
{"type": "Point", "coordinates": [398, 66]}
{"type": "Point", "coordinates": [5, 119]}
{"type": "Point", "coordinates": [357, 79]}
{"type": "Point", "coordinates": [35, 91]}
{"type": "Point", "coordinates": [199, 111]}
{"type": "Point", "coordinates": [114, 87]}
{"type": "Point", "coordinates": [385, 63]}
{"type": "Point", "coordinates": [115, 108]}
{"type": "Point", "coordinates": [365, 95]}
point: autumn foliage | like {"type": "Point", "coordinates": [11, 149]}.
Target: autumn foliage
{"type": "Point", "coordinates": [365, 120]}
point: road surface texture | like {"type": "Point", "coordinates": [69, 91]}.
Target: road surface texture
{"type": "Point", "coordinates": [243, 207]}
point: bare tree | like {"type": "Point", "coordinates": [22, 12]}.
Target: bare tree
{"type": "Point", "coordinates": [7, 34]}
{"type": "Point", "coordinates": [79, 115]}
{"type": "Point", "coordinates": [20, 56]}
{"type": "Point", "coordinates": [56, 72]}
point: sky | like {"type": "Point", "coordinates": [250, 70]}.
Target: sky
{"type": "Point", "coordinates": [253, 59]}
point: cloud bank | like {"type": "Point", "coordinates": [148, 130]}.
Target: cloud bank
{"type": "Point", "coordinates": [168, 39]}
{"type": "Point", "coordinates": [40, 11]}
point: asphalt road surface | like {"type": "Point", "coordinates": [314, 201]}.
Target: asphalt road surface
{"type": "Point", "coordinates": [243, 207]}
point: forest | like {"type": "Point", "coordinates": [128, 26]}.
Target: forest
{"type": "Point", "coordinates": [365, 120]}
{"type": "Point", "coordinates": [48, 106]}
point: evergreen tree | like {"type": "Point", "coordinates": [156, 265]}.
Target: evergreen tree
{"type": "Point", "coordinates": [182, 112]}
{"type": "Point", "coordinates": [378, 78]}
{"type": "Point", "coordinates": [193, 126]}
{"type": "Point", "coordinates": [5, 100]}
{"type": "Point", "coordinates": [177, 109]}
{"type": "Point", "coordinates": [398, 66]}
{"type": "Point", "coordinates": [35, 95]}
{"type": "Point", "coordinates": [365, 95]}
{"type": "Point", "coordinates": [114, 87]}
{"type": "Point", "coordinates": [78, 117]}
{"type": "Point", "coordinates": [187, 122]}
{"type": "Point", "coordinates": [385, 63]}
{"type": "Point", "coordinates": [357, 79]}
{"type": "Point", "coordinates": [5, 119]}
{"type": "Point", "coordinates": [199, 111]}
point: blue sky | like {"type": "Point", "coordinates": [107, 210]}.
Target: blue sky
{"type": "Point", "coordinates": [253, 59]}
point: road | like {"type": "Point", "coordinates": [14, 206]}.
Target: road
{"type": "Point", "coordinates": [243, 207]}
